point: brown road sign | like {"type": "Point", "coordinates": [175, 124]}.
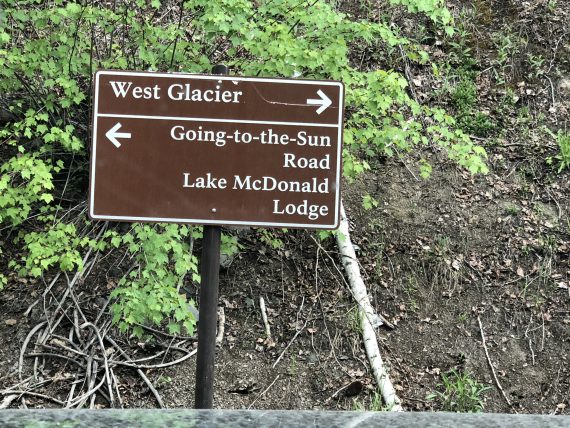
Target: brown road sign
{"type": "Point", "coordinates": [222, 150]}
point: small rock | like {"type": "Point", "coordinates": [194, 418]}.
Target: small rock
{"type": "Point", "coordinates": [226, 260]}
{"type": "Point", "coordinates": [10, 321]}
{"type": "Point", "coordinates": [194, 312]}
{"type": "Point", "coordinates": [564, 87]}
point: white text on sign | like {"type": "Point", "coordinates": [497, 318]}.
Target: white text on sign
{"type": "Point", "coordinates": [176, 92]}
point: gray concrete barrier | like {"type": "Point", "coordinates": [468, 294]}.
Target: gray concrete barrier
{"type": "Point", "coordinates": [271, 418]}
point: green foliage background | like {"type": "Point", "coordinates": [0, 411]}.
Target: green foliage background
{"type": "Point", "coordinates": [49, 51]}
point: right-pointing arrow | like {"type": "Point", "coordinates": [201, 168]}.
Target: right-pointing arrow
{"type": "Point", "coordinates": [112, 135]}
{"type": "Point", "coordinates": [324, 102]}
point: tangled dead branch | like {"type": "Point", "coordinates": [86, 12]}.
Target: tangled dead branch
{"type": "Point", "coordinates": [77, 345]}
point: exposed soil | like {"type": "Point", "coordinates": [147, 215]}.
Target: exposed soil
{"type": "Point", "coordinates": [436, 254]}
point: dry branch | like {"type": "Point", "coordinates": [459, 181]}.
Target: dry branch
{"type": "Point", "coordinates": [141, 374]}
{"type": "Point", "coordinates": [289, 344]}
{"type": "Point", "coordinates": [68, 334]}
{"type": "Point", "coordinates": [367, 315]}
{"type": "Point", "coordinates": [25, 345]}
{"type": "Point", "coordinates": [264, 317]}
{"type": "Point", "coordinates": [33, 394]}
{"type": "Point", "coordinates": [7, 401]}
{"type": "Point", "coordinates": [490, 362]}
{"type": "Point", "coordinates": [263, 392]}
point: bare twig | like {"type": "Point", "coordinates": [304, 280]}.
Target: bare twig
{"type": "Point", "coordinates": [325, 324]}
{"type": "Point", "coordinates": [338, 391]}
{"type": "Point", "coordinates": [72, 391]}
{"type": "Point", "coordinates": [44, 294]}
{"type": "Point", "coordinates": [79, 401]}
{"type": "Point", "coordinates": [26, 382]}
{"type": "Point", "coordinates": [263, 392]}
{"type": "Point", "coordinates": [162, 333]}
{"type": "Point", "coordinates": [107, 373]}
{"type": "Point", "coordinates": [490, 363]}
{"type": "Point", "coordinates": [289, 344]}
{"type": "Point", "coordinates": [33, 394]}
{"type": "Point", "coordinates": [529, 339]}
{"type": "Point", "coordinates": [25, 345]}
{"type": "Point", "coordinates": [553, 98]}
{"type": "Point", "coordinates": [140, 372]}
{"type": "Point", "coordinates": [116, 382]}
{"type": "Point", "coordinates": [543, 333]}
{"type": "Point", "coordinates": [177, 35]}
{"type": "Point", "coordinates": [155, 366]}
{"type": "Point", "coordinates": [531, 351]}
{"type": "Point", "coordinates": [51, 354]}
{"type": "Point", "coordinates": [102, 310]}
{"type": "Point", "coordinates": [152, 357]}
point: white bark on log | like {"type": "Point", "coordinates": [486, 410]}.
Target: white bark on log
{"type": "Point", "coordinates": [366, 314]}
{"type": "Point", "coordinates": [264, 317]}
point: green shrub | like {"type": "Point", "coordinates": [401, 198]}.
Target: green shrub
{"type": "Point", "coordinates": [49, 51]}
{"type": "Point", "coordinates": [459, 392]}
{"type": "Point", "coordinates": [464, 97]}
{"type": "Point", "coordinates": [563, 141]}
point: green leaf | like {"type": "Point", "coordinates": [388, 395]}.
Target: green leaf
{"type": "Point", "coordinates": [46, 197]}
{"type": "Point", "coordinates": [116, 241]}
{"type": "Point", "coordinates": [174, 328]}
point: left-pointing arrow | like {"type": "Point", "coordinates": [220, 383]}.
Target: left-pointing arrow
{"type": "Point", "coordinates": [112, 135]}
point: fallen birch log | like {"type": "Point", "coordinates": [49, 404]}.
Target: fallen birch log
{"type": "Point", "coordinates": [366, 314]}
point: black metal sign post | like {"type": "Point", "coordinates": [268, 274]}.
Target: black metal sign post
{"type": "Point", "coordinates": [210, 272]}
{"type": "Point", "coordinates": [208, 311]}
